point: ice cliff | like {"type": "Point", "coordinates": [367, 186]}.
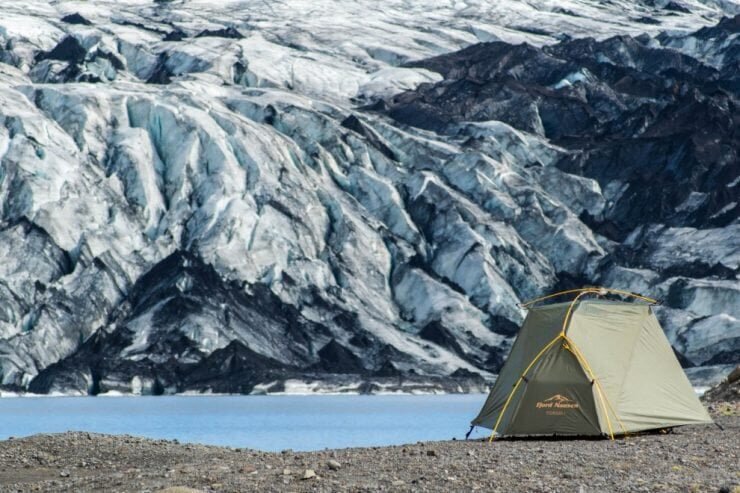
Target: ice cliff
{"type": "Point", "coordinates": [222, 196]}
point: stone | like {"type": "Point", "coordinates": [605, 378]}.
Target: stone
{"type": "Point", "coordinates": [179, 489]}
{"type": "Point", "coordinates": [309, 474]}
{"type": "Point", "coordinates": [333, 465]}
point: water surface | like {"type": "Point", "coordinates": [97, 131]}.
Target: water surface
{"type": "Point", "coordinates": [260, 422]}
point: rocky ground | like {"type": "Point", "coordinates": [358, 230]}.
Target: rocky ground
{"type": "Point", "coordinates": [727, 391]}
{"type": "Point", "coordinates": [692, 458]}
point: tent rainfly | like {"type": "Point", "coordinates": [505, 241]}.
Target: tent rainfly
{"type": "Point", "coordinates": [590, 367]}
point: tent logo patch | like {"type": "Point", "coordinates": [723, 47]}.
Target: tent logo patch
{"type": "Point", "coordinates": [557, 404]}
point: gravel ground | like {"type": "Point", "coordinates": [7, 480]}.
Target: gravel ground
{"type": "Point", "coordinates": [692, 458]}
{"type": "Point", "coordinates": [728, 390]}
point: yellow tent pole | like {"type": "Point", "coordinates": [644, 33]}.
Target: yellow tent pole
{"type": "Point", "coordinates": [606, 413]}
{"type": "Point", "coordinates": [566, 319]}
{"type": "Point", "coordinates": [563, 330]}
{"type": "Point", "coordinates": [516, 386]}
{"type": "Point", "coordinates": [599, 389]}
{"type": "Point", "coordinates": [621, 425]}
{"type": "Point", "coordinates": [584, 362]}
{"type": "Point", "coordinates": [593, 288]}
{"type": "Point", "coordinates": [553, 295]}
{"type": "Point", "coordinates": [579, 355]}
{"type": "Point", "coordinates": [634, 295]}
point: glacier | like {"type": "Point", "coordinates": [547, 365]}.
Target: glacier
{"type": "Point", "coordinates": [261, 196]}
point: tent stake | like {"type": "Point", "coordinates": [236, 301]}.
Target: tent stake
{"type": "Point", "coordinates": [469, 431]}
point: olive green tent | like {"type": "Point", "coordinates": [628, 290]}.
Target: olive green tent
{"type": "Point", "coordinates": [590, 367]}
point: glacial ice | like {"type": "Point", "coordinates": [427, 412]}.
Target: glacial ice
{"type": "Point", "coordinates": [257, 156]}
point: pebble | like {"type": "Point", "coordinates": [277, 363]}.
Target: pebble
{"type": "Point", "coordinates": [179, 489]}
{"type": "Point", "coordinates": [309, 474]}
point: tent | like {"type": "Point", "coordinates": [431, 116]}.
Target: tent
{"type": "Point", "coordinates": [590, 366]}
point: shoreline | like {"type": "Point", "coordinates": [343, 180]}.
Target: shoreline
{"type": "Point", "coordinates": [691, 458]}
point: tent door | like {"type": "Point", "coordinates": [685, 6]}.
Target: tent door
{"type": "Point", "coordinates": [558, 399]}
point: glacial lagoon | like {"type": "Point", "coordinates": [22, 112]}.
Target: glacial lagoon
{"type": "Point", "coordinates": [270, 423]}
